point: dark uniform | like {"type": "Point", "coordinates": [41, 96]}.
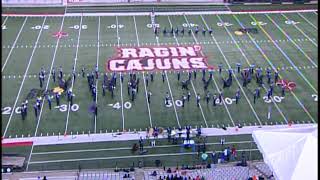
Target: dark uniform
{"type": "Point", "coordinates": [53, 73]}
{"type": "Point", "coordinates": [163, 75]}
{"type": "Point", "coordinates": [198, 100]}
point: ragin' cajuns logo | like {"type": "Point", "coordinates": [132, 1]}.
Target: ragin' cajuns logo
{"type": "Point", "coordinates": [157, 58]}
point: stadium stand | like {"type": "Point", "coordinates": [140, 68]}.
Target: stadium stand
{"type": "Point", "coordinates": [219, 172]}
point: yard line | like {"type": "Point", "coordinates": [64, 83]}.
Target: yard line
{"type": "Point", "coordinates": [226, 60]}
{"type": "Point", "coordinates": [285, 55]}
{"type": "Point", "coordinates": [74, 68]}
{"type": "Point", "coordinates": [195, 93]}
{"type": "Point", "coordinates": [48, 80]}
{"type": "Point", "coordinates": [308, 21]}
{"type": "Point", "coordinates": [24, 77]}
{"type": "Point", "coordinates": [243, 54]}
{"type": "Point", "coordinates": [273, 67]}
{"type": "Point", "coordinates": [135, 26]}
{"type": "Point", "coordinates": [5, 20]}
{"type": "Point", "coordinates": [98, 40]}
{"type": "Point", "coordinates": [14, 43]}
{"type": "Point", "coordinates": [121, 91]}
{"type": "Point", "coordinates": [295, 44]}
{"type": "Point", "coordinates": [301, 31]}
{"type": "Point", "coordinates": [126, 157]}
{"type": "Point", "coordinates": [128, 148]}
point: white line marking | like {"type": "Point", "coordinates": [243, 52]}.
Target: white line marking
{"type": "Point", "coordinates": [126, 157]}
{"type": "Point", "coordinates": [5, 20]}
{"type": "Point", "coordinates": [98, 51]}
{"type": "Point", "coordinates": [308, 21]}
{"type": "Point", "coordinates": [74, 68]}
{"type": "Point", "coordinates": [135, 25]}
{"type": "Point", "coordinates": [47, 85]}
{"type": "Point", "coordinates": [194, 91]}
{"type": "Point", "coordinates": [122, 114]}
{"type": "Point", "coordinates": [14, 43]}
{"type": "Point", "coordinates": [128, 148]}
{"type": "Point", "coordinates": [244, 55]}
{"type": "Point", "coordinates": [213, 78]}
{"type": "Point", "coordinates": [30, 60]}
{"type": "Point", "coordinates": [301, 32]}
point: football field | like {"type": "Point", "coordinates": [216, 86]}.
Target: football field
{"type": "Point", "coordinates": [287, 42]}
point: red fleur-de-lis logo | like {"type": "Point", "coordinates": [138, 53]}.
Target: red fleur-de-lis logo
{"type": "Point", "coordinates": [289, 85]}
{"type": "Point", "coordinates": [60, 34]}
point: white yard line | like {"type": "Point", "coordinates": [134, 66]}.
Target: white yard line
{"type": "Point", "coordinates": [243, 54]}
{"type": "Point", "coordinates": [273, 67]}
{"type": "Point", "coordinates": [229, 66]}
{"type": "Point", "coordinates": [308, 21]}
{"type": "Point", "coordinates": [98, 42]}
{"type": "Point", "coordinates": [286, 56]}
{"type": "Point", "coordinates": [229, 114]}
{"type": "Point", "coordinates": [304, 34]}
{"type": "Point", "coordinates": [5, 20]}
{"type": "Point", "coordinates": [14, 44]}
{"type": "Point", "coordinates": [127, 157]}
{"type": "Point", "coordinates": [135, 26]}
{"type": "Point", "coordinates": [29, 158]}
{"type": "Point", "coordinates": [74, 68]}
{"type": "Point", "coordinates": [121, 90]}
{"type": "Point", "coordinates": [24, 78]}
{"type": "Point", "coordinates": [288, 36]}
{"type": "Point", "coordinates": [195, 93]}
{"type": "Point", "coordinates": [48, 80]}
{"type": "Point", "coordinates": [129, 148]}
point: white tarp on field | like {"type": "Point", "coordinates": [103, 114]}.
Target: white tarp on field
{"type": "Point", "coordinates": [291, 153]}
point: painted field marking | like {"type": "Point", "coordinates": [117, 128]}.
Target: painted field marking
{"type": "Point", "coordinates": [247, 60]}
{"type": "Point", "coordinates": [14, 43]}
{"type": "Point", "coordinates": [121, 91]}
{"type": "Point", "coordinates": [22, 83]}
{"type": "Point", "coordinates": [273, 67]}
{"type": "Point", "coordinates": [127, 157]}
{"type": "Point", "coordinates": [287, 35]}
{"type": "Point", "coordinates": [307, 21]}
{"type": "Point", "coordinates": [97, 64]}
{"type": "Point", "coordinates": [194, 91]}
{"type": "Point", "coordinates": [74, 68]}
{"type": "Point", "coordinates": [138, 42]}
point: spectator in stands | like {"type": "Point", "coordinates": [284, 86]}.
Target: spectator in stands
{"type": "Point", "coordinates": [233, 152]}
{"type": "Point", "coordinates": [222, 141]}
{"type": "Point", "coordinates": [169, 170]}
{"type": "Point", "coordinates": [154, 173]}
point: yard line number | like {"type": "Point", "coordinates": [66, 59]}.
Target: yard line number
{"type": "Point", "coordinates": [258, 23]}
{"type": "Point", "coordinates": [224, 24]}
{"type": "Point", "coordinates": [315, 97]}
{"type": "Point", "coordinates": [277, 99]}
{"type": "Point", "coordinates": [84, 26]}
{"type": "Point", "coordinates": [114, 26]}
{"type": "Point", "coordinates": [117, 105]}
{"type": "Point", "coordinates": [155, 25]}
{"type": "Point", "coordinates": [37, 27]}
{"type": "Point", "coordinates": [62, 108]}
{"type": "Point", "coordinates": [291, 22]}
{"type": "Point", "coordinates": [189, 25]}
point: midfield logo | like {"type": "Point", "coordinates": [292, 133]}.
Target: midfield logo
{"type": "Point", "coordinates": [59, 34]}
{"type": "Point", "coordinates": [157, 58]}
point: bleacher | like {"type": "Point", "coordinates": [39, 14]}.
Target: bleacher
{"type": "Point", "coordinates": [105, 175]}
{"type": "Point", "coordinates": [220, 172]}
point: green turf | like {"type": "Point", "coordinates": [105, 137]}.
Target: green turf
{"type": "Point", "coordinates": [110, 119]}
